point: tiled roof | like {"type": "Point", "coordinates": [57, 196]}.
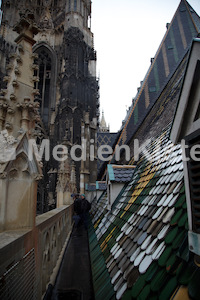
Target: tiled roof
{"type": "Point", "coordinates": [185, 107]}
{"type": "Point", "coordinates": [101, 280]}
{"type": "Point", "coordinates": [195, 17]}
{"type": "Point", "coordinates": [120, 173]}
{"type": "Point", "coordinates": [105, 138]}
{"type": "Point", "coordinates": [144, 237]}
{"type": "Point", "coordinates": [90, 187]}
{"type": "Point", "coordinates": [174, 46]}
{"type": "Point", "coordinates": [101, 185]}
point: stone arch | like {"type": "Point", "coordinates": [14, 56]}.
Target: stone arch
{"type": "Point", "coordinates": [47, 72]}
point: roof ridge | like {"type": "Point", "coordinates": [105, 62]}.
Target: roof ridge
{"type": "Point", "coordinates": [122, 166]}
{"type": "Point", "coordinates": [149, 71]}
{"type": "Point", "coordinates": [145, 80]}
{"type": "Point", "coordinates": [189, 8]}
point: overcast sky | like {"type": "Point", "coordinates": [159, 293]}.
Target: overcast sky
{"type": "Point", "coordinates": [126, 35]}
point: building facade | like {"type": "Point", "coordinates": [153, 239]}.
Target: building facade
{"type": "Point", "coordinates": [65, 87]}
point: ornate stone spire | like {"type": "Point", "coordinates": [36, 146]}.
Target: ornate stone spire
{"type": "Point", "coordinates": [17, 107]}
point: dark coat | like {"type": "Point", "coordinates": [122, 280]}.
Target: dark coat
{"type": "Point", "coordinates": [81, 206]}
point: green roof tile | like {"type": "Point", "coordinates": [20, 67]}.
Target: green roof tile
{"type": "Point", "coordinates": [104, 292]}
{"type": "Point", "coordinates": [176, 217]}
{"type": "Point", "coordinates": [172, 260]}
{"type": "Point", "coordinates": [178, 241]}
{"type": "Point", "coordinates": [169, 289]}
{"type": "Point", "coordinates": [181, 200]}
{"type": "Point", "coordinates": [145, 293]}
{"type": "Point", "coordinates": [159, 279]}
{"type": "Point", "coordinates": [151, 271]}
{"type": "Point", "coordinates": [171, 235]}
{"type": "Point", "coordinates": [165, 256]}
{"type": "Point", "coordinates": [183, 221]}
{"type": "Point", "coordinates": [185, 205]}
{"type": "Point", "coordinates": [127, 295]}
{"type": "Point", "coordinates": [183, 189]}
{"type": "Point", "coordinates": [101, 279]}
{"type": "Point", "coordinates": [138, 286]}
{"type": "Point", "coordinates": [153, 297]}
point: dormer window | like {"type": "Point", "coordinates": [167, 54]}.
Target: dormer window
{"type": "Point", "coordinates": [186, 126]}
{"type": "Point", "coordinates": [193, 166]}
{"type": "Point", "coordinates": [117, 176]}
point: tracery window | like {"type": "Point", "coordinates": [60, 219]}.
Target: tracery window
{"type": "Point", "coordinates": [44, 84]}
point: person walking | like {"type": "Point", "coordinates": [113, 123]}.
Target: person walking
{"type": "Point", "coordinates": [85, 208]}
{"type": "Point", "coordinates": [77, 209]}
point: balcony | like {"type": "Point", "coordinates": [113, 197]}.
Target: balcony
{"type": "Point", "coordinates": [29, 258]}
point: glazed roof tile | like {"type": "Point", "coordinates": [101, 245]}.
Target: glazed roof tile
{"type": "Point", "coordinates": [105, 138]}
{"type": "Point", "coordinates": [101, 185]}
{"type": "Point", "coordinates": [120, 173]}
{"type": "Point", "coordinates": [90, 187]}
{"type": "Point", "coordinates": [145, 230]}
{"type": "Point", "coordinates": [143, 239]}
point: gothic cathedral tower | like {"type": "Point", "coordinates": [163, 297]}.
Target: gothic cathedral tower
{"type": "Point", "coordinates": [65, 78]}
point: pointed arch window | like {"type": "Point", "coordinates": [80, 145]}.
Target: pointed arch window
{"type": "Point", "coordinates": [46, 83]}
{"type": "Point", "coordinates": [44, 74]}
{"type": "Point", "coordinates": [75, 5]}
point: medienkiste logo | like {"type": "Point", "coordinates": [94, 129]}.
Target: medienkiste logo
{"type": "Point", "coordinates": [88, 150]}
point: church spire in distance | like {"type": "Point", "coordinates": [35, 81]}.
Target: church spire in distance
{"type": "Point", "coordinates": [103, 126]}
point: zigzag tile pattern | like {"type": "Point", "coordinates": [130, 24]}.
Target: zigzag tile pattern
{"type": "Point", "coordinates": [144, 237]}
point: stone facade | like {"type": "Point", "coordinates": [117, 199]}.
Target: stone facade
{"type": "Point", "coordinates": [64, 85]}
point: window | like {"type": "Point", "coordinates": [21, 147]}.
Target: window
{"type": "Point", "coordinates": [44, 84]}
{"type": "Point", "coordinates": [75, 5]}
{"type": "Point", "coordinates": [193, 140]}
